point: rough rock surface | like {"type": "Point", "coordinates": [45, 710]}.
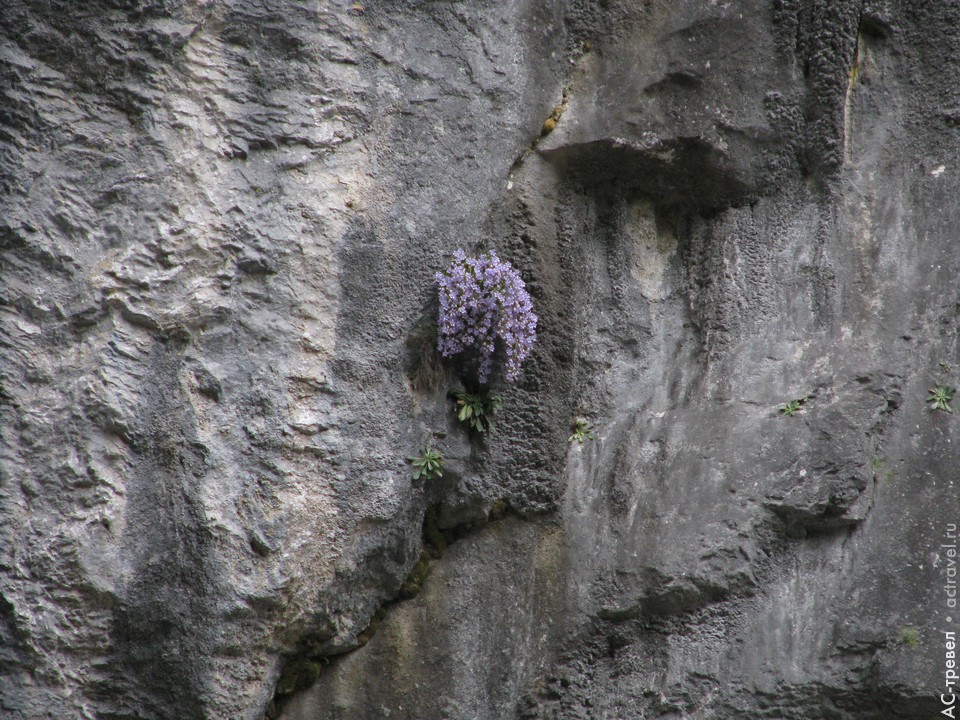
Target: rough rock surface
{"type": "Point", "coordinates": [219, 223]}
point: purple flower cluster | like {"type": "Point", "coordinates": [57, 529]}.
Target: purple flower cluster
{"type": "Point", "coordinates": [483, 298]}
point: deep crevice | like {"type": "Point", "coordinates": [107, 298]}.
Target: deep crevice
{"type": "Point", "coordinates": [302, 669]}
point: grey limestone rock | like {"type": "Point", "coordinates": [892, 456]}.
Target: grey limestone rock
{"type": "Point", "coordinates": [219, 225]}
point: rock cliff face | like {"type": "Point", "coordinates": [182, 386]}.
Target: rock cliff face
{"type": "Point", "coordinates": [219, 226]}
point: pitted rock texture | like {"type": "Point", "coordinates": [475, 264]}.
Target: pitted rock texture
{"type": "Point", "coordinates": [219, 224]}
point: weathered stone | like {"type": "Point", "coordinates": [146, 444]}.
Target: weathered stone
{"type": "Point", "coordinates": [219, 224]}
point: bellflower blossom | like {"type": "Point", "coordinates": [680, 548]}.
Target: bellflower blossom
{"type": "Point", "coordinates": [481, 299]}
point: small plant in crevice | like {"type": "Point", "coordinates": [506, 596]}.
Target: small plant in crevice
{"type": "Point", "coordinates": [945, 366]}
{"type": "Point", "coordinates": [435, 539]}
{"type": "Point", "coordinates": [418, 575]}
{"type": "Point", "coordinates": [909, 636]}
{"type": "Point", "coordinates": [940, 397]}
{"type": "Point", "coordinates": [550, 124]}
{"type": "Point", "coordinates": [366, 635]}
{"type": "Point", "coordinates": [880, 469]}
{"type": "Point", "coordinates": [300, 674]}
{"type": "Point", "coordinates": [428, 464]}
{"type": "Point", "coordinates": [476, 409]}
{"type": "Point", "coordinates": [498, 509]}
{"type": "Point", "coordinates": [582, 431]}
{"type": "Point", "coordinates": [484, 301]}
{"type": "Point", "coordinates": [792, 407]}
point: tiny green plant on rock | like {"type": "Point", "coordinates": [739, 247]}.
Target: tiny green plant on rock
{"type": "Point", "coordinates": [499, 509]}
{"type": "Point", "coordinates": [940, 397]}
{"type": "Point", "coordinates": [881, 470]}
{"type": "Point", "coordinates": [909, 636]}
{"type": "Point", "coordinates": [476, 408]}
{"type": "Point", "coordinates": [414, 583]}
{"type": "Point", "coordinates": [428, 464]}
{"type": "Point", "coordinates": [582, 430]}
{"type": "Point", "coordinates": [299, 675]}
{"type": "Point", "coordinates": [792, 407]}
